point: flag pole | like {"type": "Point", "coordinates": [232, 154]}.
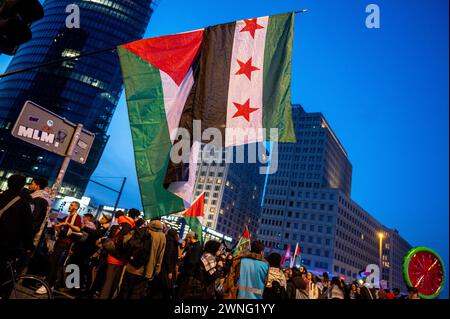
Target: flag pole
{"type": "Point", "coordinates": [301, 11]}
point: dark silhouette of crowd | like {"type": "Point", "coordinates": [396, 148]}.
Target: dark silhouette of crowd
{"type": "Point", "coordinates": [123, 256]}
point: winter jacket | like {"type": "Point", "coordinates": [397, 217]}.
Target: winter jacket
{"type": "Point", "coordinates": [192, 260]}
{"type": "Point", "coordinates": [276, 274]}
{"type": "Point", "coordinates": [16, 230]}
{"type": "Point", "coordinates": [40, 203]}
{"type": "Point", "coordinates": [247, 278]}
{"type": "Point", "coordinates": [169, 263]}
{"type": "Point", "coordinates": [153, 266]}
{"type": "Point", "coordinates": [126, 224]}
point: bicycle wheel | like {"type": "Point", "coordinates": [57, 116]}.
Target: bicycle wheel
{"type": "Point", "coordinates": [26, 286]}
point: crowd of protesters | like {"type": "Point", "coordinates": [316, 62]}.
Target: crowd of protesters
{"type": "Point", "coordinates": [122, 256]}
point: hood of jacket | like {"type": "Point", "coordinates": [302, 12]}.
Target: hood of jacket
{"type": "Point", "coordinates": [253, 256]}
{"type": "Point", "coordinates": [125, 219]}
{"type": "Point", "coordinates": [156, 226]}
{"type": "Point", "coordinates": [276, 274]}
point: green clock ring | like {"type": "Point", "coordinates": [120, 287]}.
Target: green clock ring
{"type": "Point", "coordinates": [424, 270]}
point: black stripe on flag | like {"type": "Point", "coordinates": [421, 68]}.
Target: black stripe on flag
{"type": "Point", "coordinates": [208, 98]}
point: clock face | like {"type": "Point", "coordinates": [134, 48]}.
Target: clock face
{"type": "Point", "coordinates": [424, 270]}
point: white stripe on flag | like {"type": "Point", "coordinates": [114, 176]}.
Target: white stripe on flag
{"type": "Point", "coordinates": [174, 99]}
{"type": "Point", "coordinates": [238, 130]}
{"type": "Point", "coordinates": [184, 189]}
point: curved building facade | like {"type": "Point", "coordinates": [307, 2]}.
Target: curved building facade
{"type": "Point", "coordinates": [85, 90]}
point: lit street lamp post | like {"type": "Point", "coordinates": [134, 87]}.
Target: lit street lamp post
{"type": "Point", "coordinates": [381, 236]}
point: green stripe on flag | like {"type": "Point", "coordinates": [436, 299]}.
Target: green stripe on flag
{"type": "Point", "coordinates": [195, 226]}
{"type": "Point", "coordinates": [277, 110]}
{"type": "Point", "coordinates": [150, 133]}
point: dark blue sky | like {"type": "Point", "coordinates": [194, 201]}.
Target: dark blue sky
{"type": "Point", "coordinates": [384, 92]}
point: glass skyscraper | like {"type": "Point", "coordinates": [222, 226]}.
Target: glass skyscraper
{"type": "Point", "coordinates": [85, 90]}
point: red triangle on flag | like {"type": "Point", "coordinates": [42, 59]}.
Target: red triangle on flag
{"type": "Point", "coordinates": [297, 250]}
{"type": "Point", "coordinates": [173, 54]}
{"type": "Point", "coordinates": [246, 233]}
{"type": "Point", "coordinates": [196, 209]}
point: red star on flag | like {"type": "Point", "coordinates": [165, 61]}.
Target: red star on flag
{"type": "Point", "coordinates": [246, 68]}
{"type": "Point", "coordinates": [251, 26]}
{"type": "Point", "coordinates": [244, 110]}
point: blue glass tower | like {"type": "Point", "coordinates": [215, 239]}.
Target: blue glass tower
{"type": "Point", "coordinates": [85, 90]}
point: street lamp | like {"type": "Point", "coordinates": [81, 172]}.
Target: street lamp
{"type": "Point", "coordinates": [381, 236]}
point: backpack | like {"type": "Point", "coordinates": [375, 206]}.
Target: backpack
{"type": "Point", "coordinates": [137, 248]}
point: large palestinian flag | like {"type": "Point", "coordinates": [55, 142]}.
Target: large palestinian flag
{"type": "Point", "coordinates": [235, 77]}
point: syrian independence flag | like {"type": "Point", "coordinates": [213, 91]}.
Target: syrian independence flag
{"type": "Point", "coordinates": [244, 245]}
{"type": "Point", "coordinates": [194, 216]}
{"type": "Point", "coordinates": [235, 77]}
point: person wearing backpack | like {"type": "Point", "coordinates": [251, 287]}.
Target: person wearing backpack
{"type": "Point", "coordinates": [276, 280]}
{"type": "Point", "coordinates": [144, 252]}
{"type": "Point", "coordinates": [115, 259]}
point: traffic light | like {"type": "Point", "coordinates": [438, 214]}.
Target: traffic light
{"type": "Point", "coordinates": [15, 18]}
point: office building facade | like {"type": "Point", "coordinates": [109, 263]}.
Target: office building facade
{"type": "Point", "coordinates": [84, 90]}
{"type": "Point", "coordinates": [308, 201]}
{"type": "Point", "coordinates": [232, 192]}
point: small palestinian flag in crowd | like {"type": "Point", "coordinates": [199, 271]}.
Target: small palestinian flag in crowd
{"type": "Point", "coordinates": [235, 77]}
{"type": "Point", "coordinates": [286, 256]}
{"type": "Point", "coordinates": [296, 254]}
{"type": "Point", "coordinates": [244, 245]}
{"type": "Point", "coordinates": [194, 216]}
